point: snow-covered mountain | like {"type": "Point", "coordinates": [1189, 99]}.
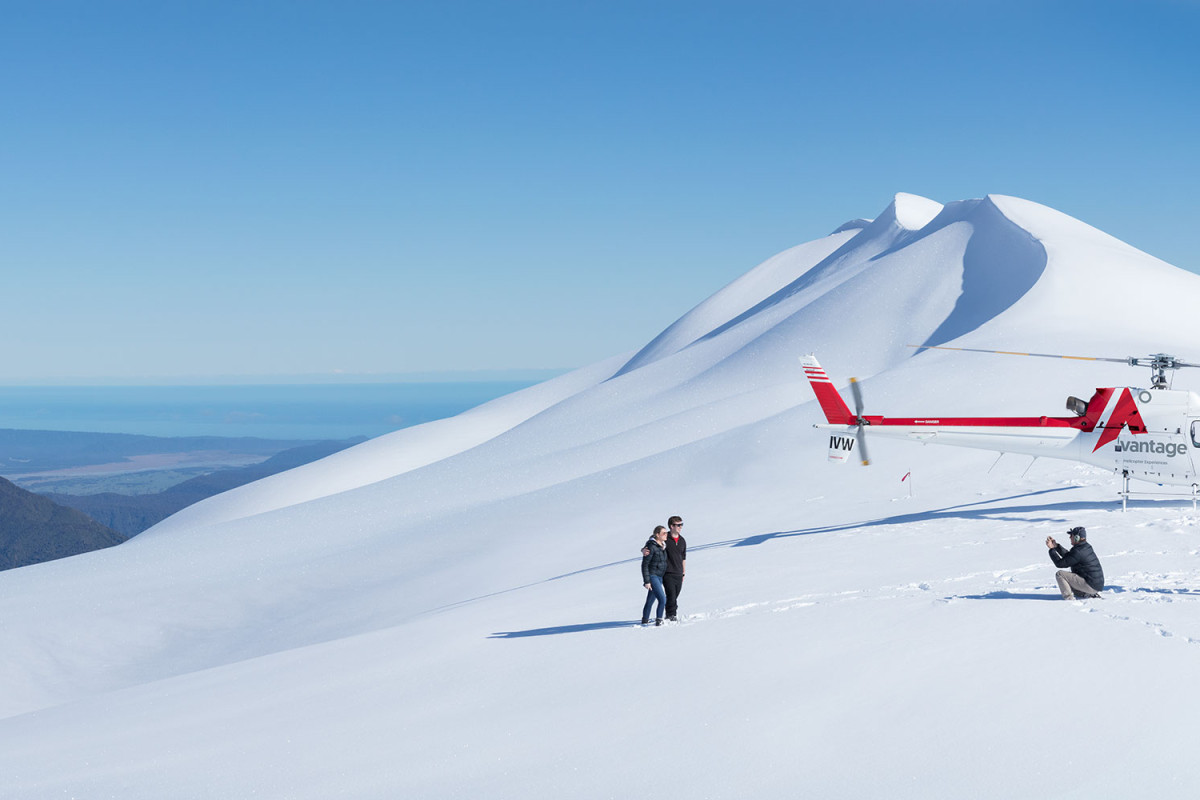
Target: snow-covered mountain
{"type": "Point", "coordinates": [446, 611]}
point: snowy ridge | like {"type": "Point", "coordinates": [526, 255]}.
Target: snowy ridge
{"type": "Point", "coordinates": [738, 297]}
{"type": "Point", "coordinates": [426, 614]}
{"type": "Point", "coordinates": [389, 456]}
{"type": "Point", "coordinates": [814, 266]}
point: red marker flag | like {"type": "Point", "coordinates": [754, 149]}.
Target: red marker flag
{"type": "Point", "coordinates": [905, 476]}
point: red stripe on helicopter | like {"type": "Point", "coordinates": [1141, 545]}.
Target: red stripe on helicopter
{"type": "Point", "coordinates": [983, 422]}
{"type": "Point", "coordinates": [1125, 415]}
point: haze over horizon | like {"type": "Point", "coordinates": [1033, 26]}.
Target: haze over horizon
{"type": "Point", "coordinates": [208, 189]}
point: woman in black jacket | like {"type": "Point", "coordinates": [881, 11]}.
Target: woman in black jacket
{"type": "Point", "coordinates": [654, 566]}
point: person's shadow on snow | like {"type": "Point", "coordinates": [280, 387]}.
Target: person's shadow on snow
{"type": "Point", "coordinates": [1001, 595]}
{"type": "Point", "coordinates": [587, 626]}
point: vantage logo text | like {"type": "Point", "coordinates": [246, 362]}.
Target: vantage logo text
{"type": "Point", "coordinates": [1169, 449]}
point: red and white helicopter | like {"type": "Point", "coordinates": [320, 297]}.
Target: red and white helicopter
{"type": "Point", "coordinates": [1142, 434]}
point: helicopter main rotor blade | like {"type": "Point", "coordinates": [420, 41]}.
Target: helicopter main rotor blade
{"type": "Point", "coordinates": [1159, 362]}
{"type": "Point", "coordinates": [1015, 353]}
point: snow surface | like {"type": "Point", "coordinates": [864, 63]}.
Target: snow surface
{"type": "Point", "coordinates": [447, 611]}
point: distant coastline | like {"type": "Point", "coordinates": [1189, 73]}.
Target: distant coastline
{"type": "Point", "coordinates": [526, 376]}
{"type": "Point", "coordinates": [303, 412]}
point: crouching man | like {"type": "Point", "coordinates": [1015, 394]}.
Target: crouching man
{"type": "Point", "coordinates": [1085, 578]}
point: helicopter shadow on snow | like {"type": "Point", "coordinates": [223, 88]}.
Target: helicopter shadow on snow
{"type": "Point", "coordinates": [1109, 590]}
{"type": "Point", "coordinates": [983, 509]}
{"type": "Point", "coordinates": [1149, 590]}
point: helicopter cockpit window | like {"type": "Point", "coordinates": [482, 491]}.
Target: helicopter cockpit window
{"type": "Point", "coordinates": [1196, 433]}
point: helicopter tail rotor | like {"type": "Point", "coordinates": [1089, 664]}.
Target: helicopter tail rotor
{"type": "Point", "coordinates": [859, 432]}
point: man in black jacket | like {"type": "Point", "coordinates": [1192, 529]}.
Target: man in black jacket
{"type": "Point", "coordinates": [676, 566]}
{"type": "Point", "coordinates": [1086, 578]}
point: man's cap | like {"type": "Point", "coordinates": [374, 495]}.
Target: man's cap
{"type": "Point", "coordinates": [1080, 532]}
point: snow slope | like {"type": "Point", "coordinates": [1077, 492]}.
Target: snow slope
{"type": "Point", "coordinates": [445, 611]}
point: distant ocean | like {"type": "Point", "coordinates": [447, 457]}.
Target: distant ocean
{"type": "Point", "coordinates": [325, 411]}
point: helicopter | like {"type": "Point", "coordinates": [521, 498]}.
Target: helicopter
{"type": "Point", "coordinates": [1140, 434]}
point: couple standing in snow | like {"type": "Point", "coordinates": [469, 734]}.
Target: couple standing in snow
{"type": "Point", "coordinates": [664, 560]}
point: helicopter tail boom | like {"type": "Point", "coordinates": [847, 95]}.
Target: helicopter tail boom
{"type": "Point", "coordinates": [1144, 434]}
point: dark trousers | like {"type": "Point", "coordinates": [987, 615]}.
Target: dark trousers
{"type": "Point", "coordinates": [673, 585]}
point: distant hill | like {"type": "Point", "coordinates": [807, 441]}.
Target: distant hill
{"type": "Point", "coordinates": [35, 529]}
{"type": "Point", "coordinates": [129, 515]}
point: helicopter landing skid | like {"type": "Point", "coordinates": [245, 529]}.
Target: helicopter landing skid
{"type": "Point", "coordinates": [1125, 493]}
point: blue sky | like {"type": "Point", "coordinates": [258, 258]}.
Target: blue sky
{"type": "Point", "coordinates": [258, 189]}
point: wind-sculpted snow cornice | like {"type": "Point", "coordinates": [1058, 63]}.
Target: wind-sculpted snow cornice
{"type": "Point", "coordinates": [905, 218]}
{"type": "Point", "coordinates": [1002, 262]}
{"type": "Point", "coordinates": [860, 239]}
{"type": "Point", "coordinates": [958, 211]}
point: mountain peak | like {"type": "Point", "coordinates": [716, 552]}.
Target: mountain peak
{"type": "Point", "coordinates": [911, 211]}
